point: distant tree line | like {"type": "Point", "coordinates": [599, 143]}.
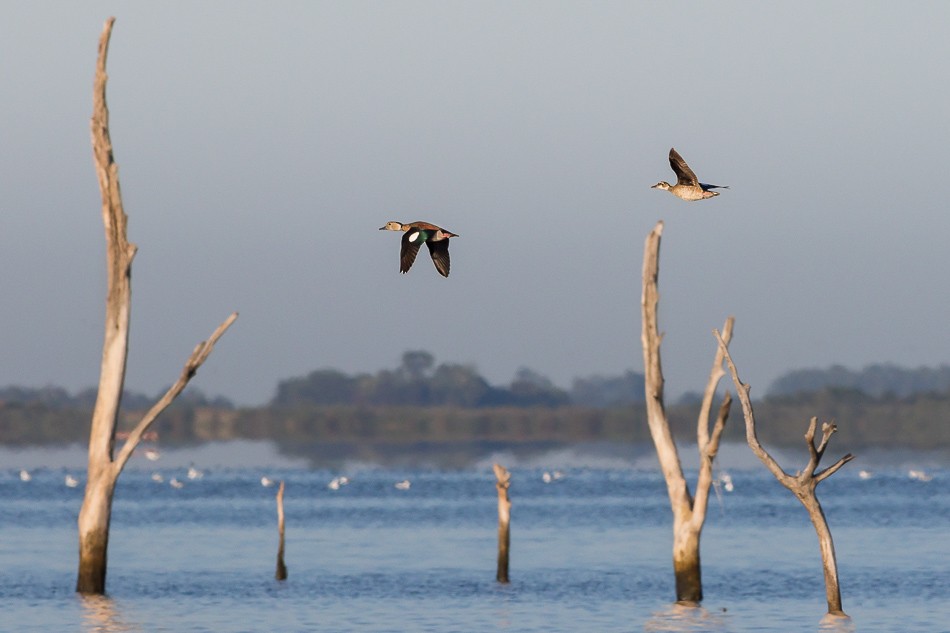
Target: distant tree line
{"type": "Point", "coordinates": [916, 422]}
{"type": "Point", "coordinates": [58, 398]}
{"type": "Point", "coordinates": [592, 410]}
{"type": "Point", "coordinates": [874, 380]}
{"type": "Point", "coordinates": [419, 382]}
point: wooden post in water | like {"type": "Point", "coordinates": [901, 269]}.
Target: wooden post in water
{"type": "Point", "coordinates": [281, 567]}
{"type": "Point", "coordinates": [504, 518]}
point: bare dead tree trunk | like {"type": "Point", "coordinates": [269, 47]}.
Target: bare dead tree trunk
{"type": "Point", "coordinates": [281, 567]}
{"type": "Point", "coordinates": [104, 468]}
{"type": "Point", "coordinates": [689, 514]}
{"type": "Point", "coordinates": [803, 484]}
{"type": "Point", "coordinates": [503, 478]}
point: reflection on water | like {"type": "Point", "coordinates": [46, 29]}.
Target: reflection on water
{"type": "Point", "coordinates": [836, 624]}
{"type": "Point", "coordinates": [692, 618]}
{"type": "Point", "coordinates": [682, 617]}
{"type": "Point", "coordinates": [100, 615]}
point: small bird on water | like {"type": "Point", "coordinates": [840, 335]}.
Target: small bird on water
{"type": "Point", "coordinates": [415, 233]}
{"type": "Point", "coordinates": [687, 185]}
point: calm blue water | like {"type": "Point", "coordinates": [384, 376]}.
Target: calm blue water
{"type": "Point", "coordinates": [589, 552]}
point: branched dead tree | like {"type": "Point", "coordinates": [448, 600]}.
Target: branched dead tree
{"type": "Point", "coordinates": [689, 513]}
{"type": "Point", "coordinates": [503, 482]}
{"type": "Point", "coordinates": [105, 466]}
{"type": "Point", "coordinates": [281, 573]}
{"type": "Point", "coordinates": [803, 484]}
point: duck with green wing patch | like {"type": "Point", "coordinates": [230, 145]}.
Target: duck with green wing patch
{"type": "Point", "coordinates": [414, 234]}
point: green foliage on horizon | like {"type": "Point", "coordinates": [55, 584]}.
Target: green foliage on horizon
{"type": "Point", "coordinates": [416, 382]}
{"type": "Point", "coordinates": [421, 402]}
{"type": "Point", "coordinates": [874, 380]}
{"type": "Point", "coordinates": [919, 422]}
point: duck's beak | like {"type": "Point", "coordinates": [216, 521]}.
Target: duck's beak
{"type": "Point", "coordinates": [382, 228]}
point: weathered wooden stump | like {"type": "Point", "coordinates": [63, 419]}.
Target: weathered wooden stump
{"type": "Point", "coordinates": [281, 567]}
{"type": "Point", "coordinates": [504, 518]}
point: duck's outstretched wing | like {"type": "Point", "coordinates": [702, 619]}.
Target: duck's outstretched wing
{"type": "Point", "coordinates": [684, 175]}
{"type": "Point", "coordinates": [707, 187]}
{"type": "Point", "coordinates": [409, 249]}
{"type": "Point", "coordinates": [440, 255]}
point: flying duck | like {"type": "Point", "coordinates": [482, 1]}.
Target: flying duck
{"type": "Point", "coordinates": [687, 185]}
{"type": "Point", "coordinates": [435, 237]}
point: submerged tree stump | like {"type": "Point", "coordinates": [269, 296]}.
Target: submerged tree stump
{"type": "Point", "coordinates": [803, 484]}
{"type": "Point", "coordinates": [504, 518]}
{"type": "Point", "coordinates": [281, 573]}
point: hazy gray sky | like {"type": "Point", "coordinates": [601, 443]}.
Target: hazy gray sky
{"type": "Point", "coordinates": [261, 145]}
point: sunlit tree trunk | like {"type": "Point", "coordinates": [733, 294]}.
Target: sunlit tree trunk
{"type": "Point", "coordinates": [105, 466]}
{"type": "Point", "coordinates": [94, 521]}
{"type": "Point", "coordinates": [803, 484]}
{"type": "Point", "coordinates": [689, 514]}
{"type": "Point", "coordinates": [281, 573]}
{"type": "Point", "coordinates": [503, 482]}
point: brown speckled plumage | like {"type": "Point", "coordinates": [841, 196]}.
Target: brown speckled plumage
{"type": "Point", "coordinates": [687, 186]}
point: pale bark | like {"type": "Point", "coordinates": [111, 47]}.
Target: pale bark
{"type": "Point", "coordinates": [803, 484]}
{"type": "Point", "coordinates": [503, 482]}
{"type": "Point", "coordinates": [281, 573]}
{"type": "Point", "coordinates": [103, 471]}
{"type": "Point", "coordinates": [689, 514]}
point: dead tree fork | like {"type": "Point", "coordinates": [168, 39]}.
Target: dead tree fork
{"type": "Point", "coordinates": [803, 484]}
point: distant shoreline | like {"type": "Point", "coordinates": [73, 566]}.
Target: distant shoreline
{"type": "Point", "coordinates": [267, 456]}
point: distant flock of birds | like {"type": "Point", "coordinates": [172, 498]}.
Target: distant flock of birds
{"type": "Point", "coordinates": [723, 480]}
{"type": "Point", "coordinates": [436, 238]}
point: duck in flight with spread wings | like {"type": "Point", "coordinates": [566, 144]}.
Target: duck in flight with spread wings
{"type": "Point", "coordinates": [687, 185]}
{"type": "Point", "coordinates": [414, 234]}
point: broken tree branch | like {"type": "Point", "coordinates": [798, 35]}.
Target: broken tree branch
{"type": "Point", "coordinates": [831, 470]}
{"type": "Point", "coordinates": [197, 358]}
{"type": "Point", "coordinates": [708, 445]}
{"type": "Point", "coordinates": [715, 375]}
{"type": "Point", "coordinates": [707, 456]}
{"type": "Point", "coordinates": [751, 438]}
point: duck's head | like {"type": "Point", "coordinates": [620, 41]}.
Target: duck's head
{"type": "Point", "coordinates": [392, 226]}
{"type": "Point", "coordinates": [665, 186]}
